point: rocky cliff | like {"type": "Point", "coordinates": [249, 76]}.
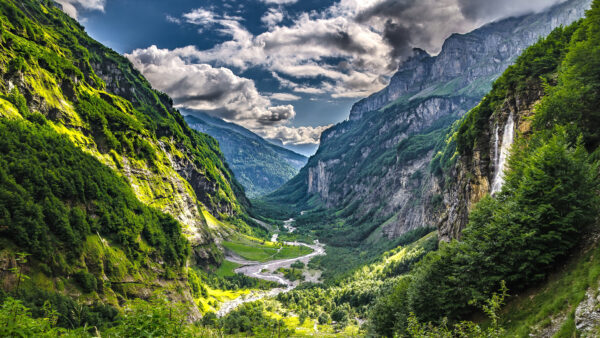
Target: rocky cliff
{"type": "Point", "coordinates": [374, 167]}
{"type": "Point", "coordinates": [470, 62]}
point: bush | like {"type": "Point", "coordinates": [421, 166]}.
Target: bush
{"type": "Point", "coordinates": [324, 318]}
{"type": "Point", "coordinates": [86, 281]}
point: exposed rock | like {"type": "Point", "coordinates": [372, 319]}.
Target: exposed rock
{"type": "Point", "coordinates": [587, 314]}
{"type": "Point", "coordinates": [473, 175]}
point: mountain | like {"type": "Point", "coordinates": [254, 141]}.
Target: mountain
{"type": "Point", "coordinates": [519, 181]}
{"type": "Point", "coordinates": [260, 166]}
{"type": "Point", "coordinates": [372, 171]}
{"type": "Point", "coordinates": [103, 185]}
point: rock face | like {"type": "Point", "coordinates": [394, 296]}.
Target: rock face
{"type": "Point", "coordinates": [470, 61]}
{"type": "Point", "coordinates": [587, 314]}
{"type": "Point", "coordinates": [480, 174]}
{"type": "Point", "coordinates": [376, 163]}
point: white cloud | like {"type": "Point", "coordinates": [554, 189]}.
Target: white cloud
{"type": "Point", "coordinates": [272, 17]}
{"type": "Point", "coordinates": [348, 50]}
{"type": "Point", "coordinates": [72, 7]}
{"type": "Point", "coordinates": [291, 135]}
{"type": "Point", "coordinates": [220, 92]}
{"type": "Point", "coordinates": [284, 97]}
{"type": "Point", "coordinates": [228, 25]}
{"type": "Point", "coordinates": [173, 19]}
{"type": "Point", "coordinates": [279, 2]}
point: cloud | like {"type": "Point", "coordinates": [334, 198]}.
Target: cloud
{"type": "Point", "coordinates": [284, 97]}
{"type": "Point", "coordinates": [493, 9]}
{"type": "Point", "coordinates": [173, 19]}
{"type": "Point", "coordinates": [72, 7]}
{"type": "Point", "coordinates": [291, 135]}
{"type": "Point", "coordinates": [348, 50]}
{"type": "Point", "coordinates": [220, 92]}
{"type": "Point", "coordinates": [227, 25]}
{"type": "Point", "coordinates": [279, 2]}
{"type": "Point", "coordinates": [272, 17]}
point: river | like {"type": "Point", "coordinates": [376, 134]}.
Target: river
{"type": "Point", "coordinates": [267, 271]}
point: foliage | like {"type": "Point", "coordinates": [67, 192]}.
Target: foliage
{"type": "Point", "coordinates": [252, 318]}
{"type": "Point", "coordinates": [16, 321]}
{"type": "Point", "coordinates": [548, 201]}
{"type": "Point", "coordinates": [67, 312]}
{"type": "Point", "coordinates": [155, 318]}
{"type": "Point", "coordinates": [52, 195]}
{"type": "Point", "coordinates": [575, 100]}
{"type": "Point", "coordinates": [86, 281]}
{"type": "Point", "coordinates": [464, 328]}
{"type": "Point", "coordinates": [540, 60]}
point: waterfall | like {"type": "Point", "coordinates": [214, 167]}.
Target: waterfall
{"type": "Point", "coordinates": [496, 144]}
{"type": "Point", "coordinates": [508, 138]}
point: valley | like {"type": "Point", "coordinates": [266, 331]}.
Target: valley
{"type": "Point", "coordinates": [459, 199]}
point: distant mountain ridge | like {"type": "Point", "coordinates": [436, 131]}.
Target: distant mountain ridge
{"type": "Point", "coordinates": [259, 165]}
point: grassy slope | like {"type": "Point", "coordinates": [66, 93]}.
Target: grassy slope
{"type": "Point", "coordinates": [551, 307]}
{"type": "Point", "coordinates": [253, 250]}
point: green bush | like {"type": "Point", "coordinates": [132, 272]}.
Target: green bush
{"type": "Point", "coordinates": [86, 281]}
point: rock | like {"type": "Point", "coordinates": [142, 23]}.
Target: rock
{"type": "Point", "coordinates": [587, 314]}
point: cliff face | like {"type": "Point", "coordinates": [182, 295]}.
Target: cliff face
{"type": "Point", "coordinates": [377, 162]}
{"type": "Point", "coordinates": [470, 61]}
{"type": "Point", "coordinates": [481, 172]}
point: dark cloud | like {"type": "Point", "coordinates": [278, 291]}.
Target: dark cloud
{"type": "Point", "coordinates": [494, 9]}
{"type": "Point", "coordinates": [278, 114]}
{"type": "Point", "coordinates": [399, 37]}
{"type": "Point", "coordinates": [339, 39]}
{"type": "Point", "coordinates": [385, 9]}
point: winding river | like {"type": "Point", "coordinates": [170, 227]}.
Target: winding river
{"type": "Point", "coordinates": [268, 271]}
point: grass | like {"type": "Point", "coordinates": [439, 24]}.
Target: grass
{"type": "Point", "coordinates": [227, 269]}
{"type": "Point", "coordinates": [254, 250]}
{"type": "Point", "coordinates": [215, 297]}
{"type": "Point", "coordinates": [559, 297]}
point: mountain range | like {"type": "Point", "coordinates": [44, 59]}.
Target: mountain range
{"type": "Point", "coordinates": [259, 165]}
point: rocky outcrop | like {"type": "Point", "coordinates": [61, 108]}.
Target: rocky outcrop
{"type": "Point", "coordinates": [587, 314]}
{"type": "Point", "coordinates": [491, 49]}
{"type": "Point", "coordinates": [319, 178]}
{"type": "Point", "coordinates": [479, 174]}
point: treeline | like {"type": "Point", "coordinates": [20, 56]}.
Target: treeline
{"type": "Point", "coordinates": [550, 198]}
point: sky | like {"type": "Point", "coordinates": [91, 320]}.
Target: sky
{"type": "Point", "coordinates": [285, 69]}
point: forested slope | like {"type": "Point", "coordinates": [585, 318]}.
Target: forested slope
{"type": "Point", "coordinates": [104, 188]}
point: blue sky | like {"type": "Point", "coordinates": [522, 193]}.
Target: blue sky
{"type": "Point", "coordinates": [285, 69]}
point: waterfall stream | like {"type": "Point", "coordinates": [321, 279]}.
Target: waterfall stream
{"type": "Point", "coordinates": [501, 156]}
